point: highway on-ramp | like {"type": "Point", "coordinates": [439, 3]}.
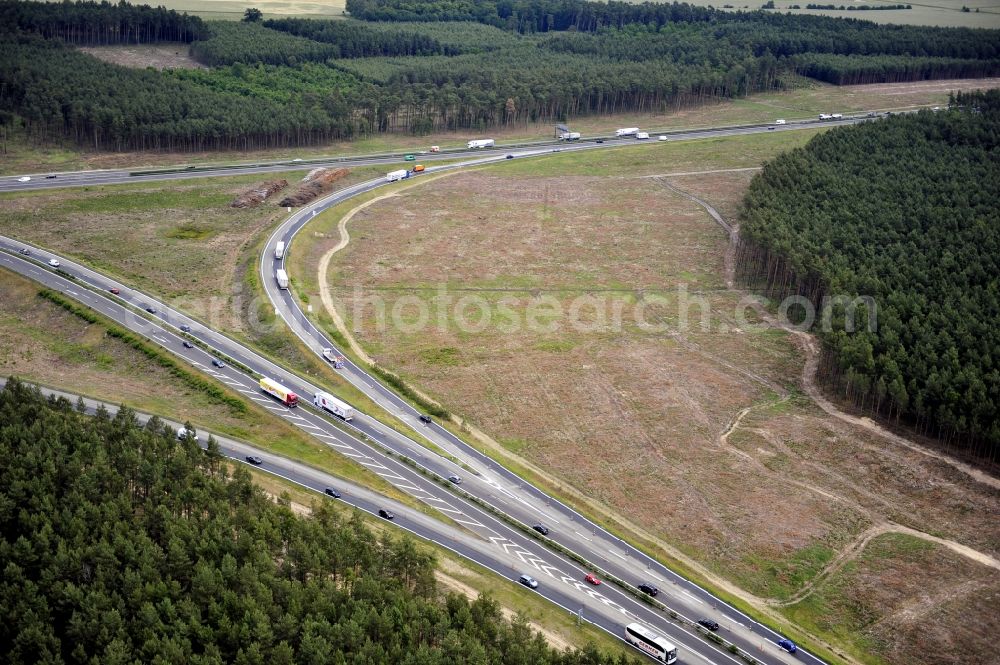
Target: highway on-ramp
{"type": "Point", "coordinates": [500, 546]}
{"type": "Point", "coordinates": [491, 483]}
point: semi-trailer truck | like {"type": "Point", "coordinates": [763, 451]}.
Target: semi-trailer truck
{"type": "Point", "coordinates": [333, 405]}
{"type": "Point", "coordinates": [393, 176]}
{"type": "Point", "coordinates": [481, 143]}
{"type": "Point", "coordinates": [281, 277]}
{"type": "Point", "coordinates": [279, 392]}
{"type": "Point", "coordinates": [279, 250]}
{"type": "Point", "coordinates": [626, 131]}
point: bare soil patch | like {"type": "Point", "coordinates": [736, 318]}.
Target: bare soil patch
{"type": "Point", "coordinates": [258, 194]}
{"type": "Point", "coordinates": [165, 55]}
{"type": "Point", "coordinates": [765, 489]}
{"type": "Point", "coordinates": [315, 184]}
{"type": "Point", "coordinates": [908, 601]}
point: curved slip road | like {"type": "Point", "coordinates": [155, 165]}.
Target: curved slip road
{"type": "Point", "coordinates": [493, 484]}
{"type": "Point", "coordinates": [484, 537]}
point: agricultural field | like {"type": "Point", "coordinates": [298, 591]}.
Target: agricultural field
{"type": "Point", "coordinates": [575, 308]}
{"type": "Point", "coordinates": [942, 13]}
{"type": "Point", "coordinates": [232, 10]}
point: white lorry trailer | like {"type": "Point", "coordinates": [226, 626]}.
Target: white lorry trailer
{"type": "Point", "coordinates": [333, 405]}
{"type": "Point", "coordinates": [626, 131]}
{"type": "Point", "coordinates": [481, 143]}
{"type": "Point", "coordinates": [641, 135]}
{"type": "Point", "coordinates": [569, 136]}
{"type": "Point", "coordinates": [393, 176]}
{"type": "Point", "coordinates": [279, 250]}
{"type": "Point", "coordinates": [281, 277]}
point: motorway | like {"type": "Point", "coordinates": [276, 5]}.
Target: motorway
{"type": "Point", "coordinates": [472, 532]}
{"type": "Point", "coordinates": [516, 553]}
{"type": "Point", "coordinates": [390, 160]}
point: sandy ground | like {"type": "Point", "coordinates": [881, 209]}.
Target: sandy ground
{"type": "Point", "coordinates": [713, 419]}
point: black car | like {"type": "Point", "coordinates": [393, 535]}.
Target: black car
{"type": "Point", "coordinates": [332, 492]}
{"type": "Point", "coordinates": [185, 328]}
{"type": "Point", "coordinates": [385, 514]}
{"type": "Point", "coordinates": [151, 310]}
{"type": "Point", "coordinates": [648, 588]}
{"type": "Point", "coordinates": [424, 418]}
{"type": "Point", "coordinates": [253, 459]}
{"type": "Point", "coordinates": [599, 141]}
{"type": "Point", "coordinates": [218, 363]}
{"type": "Point", "coordinates": [49, 177]}
{"type": "Point", "coordinates": [708, 623]}
{"type": "Point", "coordinates": [510, 156]}
{"type": "Point", "coordinates": [187, 345]}
{"type": "Point", "coordinates": [26, 251]}
{"type": "Point", "coordinates": [541, 528]}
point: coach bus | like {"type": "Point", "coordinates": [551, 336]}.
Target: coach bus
{"type": "Point", "coordinates": [648, 642]}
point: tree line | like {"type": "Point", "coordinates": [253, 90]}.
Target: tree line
{"type": "Point", "coordinates": [98, 23]}
{"type": "Point", "coordinates": [301, 82]}
{"type": "Point", "coordinates": [905, 211]}
{"type": "Point", "coordinates": [121, 544]}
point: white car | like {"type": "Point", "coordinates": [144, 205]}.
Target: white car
{"type": "Point", "coordinates": [779, 122]}
{"type": "Point", "coordinates": [662, 138]}
{"type": "Point", "coordinates": [24, 178]}
{"type": "Point", "coordinates": [54, 263]}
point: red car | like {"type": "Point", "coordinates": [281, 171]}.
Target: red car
{"type": "Point", "coordinates": [593, 580]}
{"type": "Point", "coordinates": [114, 291]}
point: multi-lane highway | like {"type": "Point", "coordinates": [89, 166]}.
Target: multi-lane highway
{"type": "Point", "coordinates": [472, 532]}
{"type": "Point", "coordinates": [492, 484]}
{"type": "Point", "coordinates": [119, 176]}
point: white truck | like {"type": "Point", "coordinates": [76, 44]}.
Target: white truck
{"type": "Point", "coordinates": [825, 116]}
{"type": "Point", "coordinates": [333, 405]}
{"type": "Point", "coordinates": [641, 135]}
{"type": "Point", "coordinates": [569, 136]}
{"type": "Point", "coordinates": [481, 143]}
{"type": "Point", "coordinates": [183, 432]}
{"type": "Point", "coordinates": [279, 250]}
{"type": "Point", "coordinates": [393, 176]}
{"type": "Point", "coordinates": [836, 116]}
{"type": "Point", "coordinates": [626, 131]}
{"type": "Point", "coordinates": [281, 277]}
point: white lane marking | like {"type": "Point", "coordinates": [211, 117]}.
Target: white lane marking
{"type": "Point", "coordinates": [248, 392]}
{"type": "Point", "coordinates": [652, 574]}
{"type": "Point", "coordinates": [354, 454]}
{"type": "Point", "coordinates": [450, 510]}
{"type": "Point", "coordinates": [309, 426]}
{"type": "Point", "coordinates": [409, 487]}
{"type": "Point", "coordinates": [438, 499]}
{"type": "Point", "coordinates": [697, 600]}
{"type": "Point", "coordinates": [583, 536]}
{"type": "Point", "coordinates": [617, 554]}
{"type": "Point", "coordinates": [275, 409]}
{"type": "Point", "coordinates": [467, 522]}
